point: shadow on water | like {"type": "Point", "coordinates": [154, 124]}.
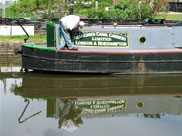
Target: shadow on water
{"type": "Point", "coordinates": [70, 98]}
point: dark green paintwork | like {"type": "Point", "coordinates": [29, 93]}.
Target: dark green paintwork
{"type": "Point", "coordinates": [50, 34]}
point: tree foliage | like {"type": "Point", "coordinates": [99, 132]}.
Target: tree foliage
{"type": "Point", "coordinates": [38, 8]}
{"type": "Point", "coordinates": [86, 8]}
{"type": "Point", "coordinates": [142, 10]}
{"type": "Point", "coordinates": [121, 10]}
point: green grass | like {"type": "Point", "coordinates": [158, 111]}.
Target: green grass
{"type": "Point", "coordinates": [169, 16]}
{"type": "Point", "coordinates": [20, 39]}
{"type": "Point", "coordinates": [12, 14]}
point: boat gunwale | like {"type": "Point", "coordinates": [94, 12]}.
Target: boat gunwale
{"type": "Point", "coordinates": [175, 50]}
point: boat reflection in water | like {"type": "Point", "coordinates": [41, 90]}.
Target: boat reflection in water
{"type": "Point", "coordinates": [71, 98]}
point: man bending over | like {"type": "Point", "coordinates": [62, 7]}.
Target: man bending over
{"type": "Point", "coordinates": [69, 22]}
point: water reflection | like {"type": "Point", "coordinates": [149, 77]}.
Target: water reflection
{"type": "Point", "coordinates": [75, 100]}
{"type": "Point", "coordinates": [20, 120]}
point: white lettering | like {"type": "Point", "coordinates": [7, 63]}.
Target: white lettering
{"type": "Point", "coordinates": [101, 39]}
{"type": "Point", "coordinates": [101, 34]}
{"type": "Point", "coordinates": [117, 36]}
{"type": "Point", "coordinates": [112, 44]}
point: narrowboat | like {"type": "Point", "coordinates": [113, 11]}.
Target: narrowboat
{"type": "Point", "coordinates": [113, 48]}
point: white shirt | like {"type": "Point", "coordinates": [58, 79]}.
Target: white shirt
{"type": "Point", "coordinates": [70, 21]}
{"type": "Point", "coordinates": [69, 126]}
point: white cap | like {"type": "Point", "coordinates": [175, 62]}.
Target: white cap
{"type": "Point", "coordinates": [81, 23]}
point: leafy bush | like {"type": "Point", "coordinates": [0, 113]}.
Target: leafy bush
{"type": "Point", "coordinates": [146, 11]}
{"type": "Point", "coordinates": [105, 3]}
{"type": "Point", "coordinates": [121, 10]}
{"type": "Point", "coordinates": [35, 8]}
{"type": "Point", "coordinates": [142, 10]}
{"type": "Point", "coordinates": [92, 13]}
{"type": "Point", "coordinates": [160, 5]}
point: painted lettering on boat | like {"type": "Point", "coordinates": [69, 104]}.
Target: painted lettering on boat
{"type": "Point", "coordinates": [110, 39]}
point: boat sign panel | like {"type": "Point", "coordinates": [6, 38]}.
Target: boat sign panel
{"type": "Point", "coordinates": [106, 39]}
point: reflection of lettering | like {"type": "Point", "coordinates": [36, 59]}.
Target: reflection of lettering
{"type": "Point", "coordinates": [84, 111]}
{"type": "Point", "coordinates": [83, 103]}
{"type": "Point", "coordinates": [120, 107]}
{"type": "Point", "coordinates": [120, 101]}
{"type": "Point", "coordinates": [101, 106]}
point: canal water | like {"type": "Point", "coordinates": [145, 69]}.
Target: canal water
{"type": "Point", "coordinates": [42, 104]}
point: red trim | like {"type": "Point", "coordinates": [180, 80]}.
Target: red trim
{"type": "Point", "coordinates": [130, 26]}
{"type": "Point", "coordinates": [123, 52]}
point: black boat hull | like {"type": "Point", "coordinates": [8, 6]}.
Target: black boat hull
{"type": "Point", "coordinates": [138, 62]}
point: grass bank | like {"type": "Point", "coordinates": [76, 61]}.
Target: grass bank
{"type": "Point", "coordinates": [169, 16]}
{"type": "Point", "coordinates": [20, 39]}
